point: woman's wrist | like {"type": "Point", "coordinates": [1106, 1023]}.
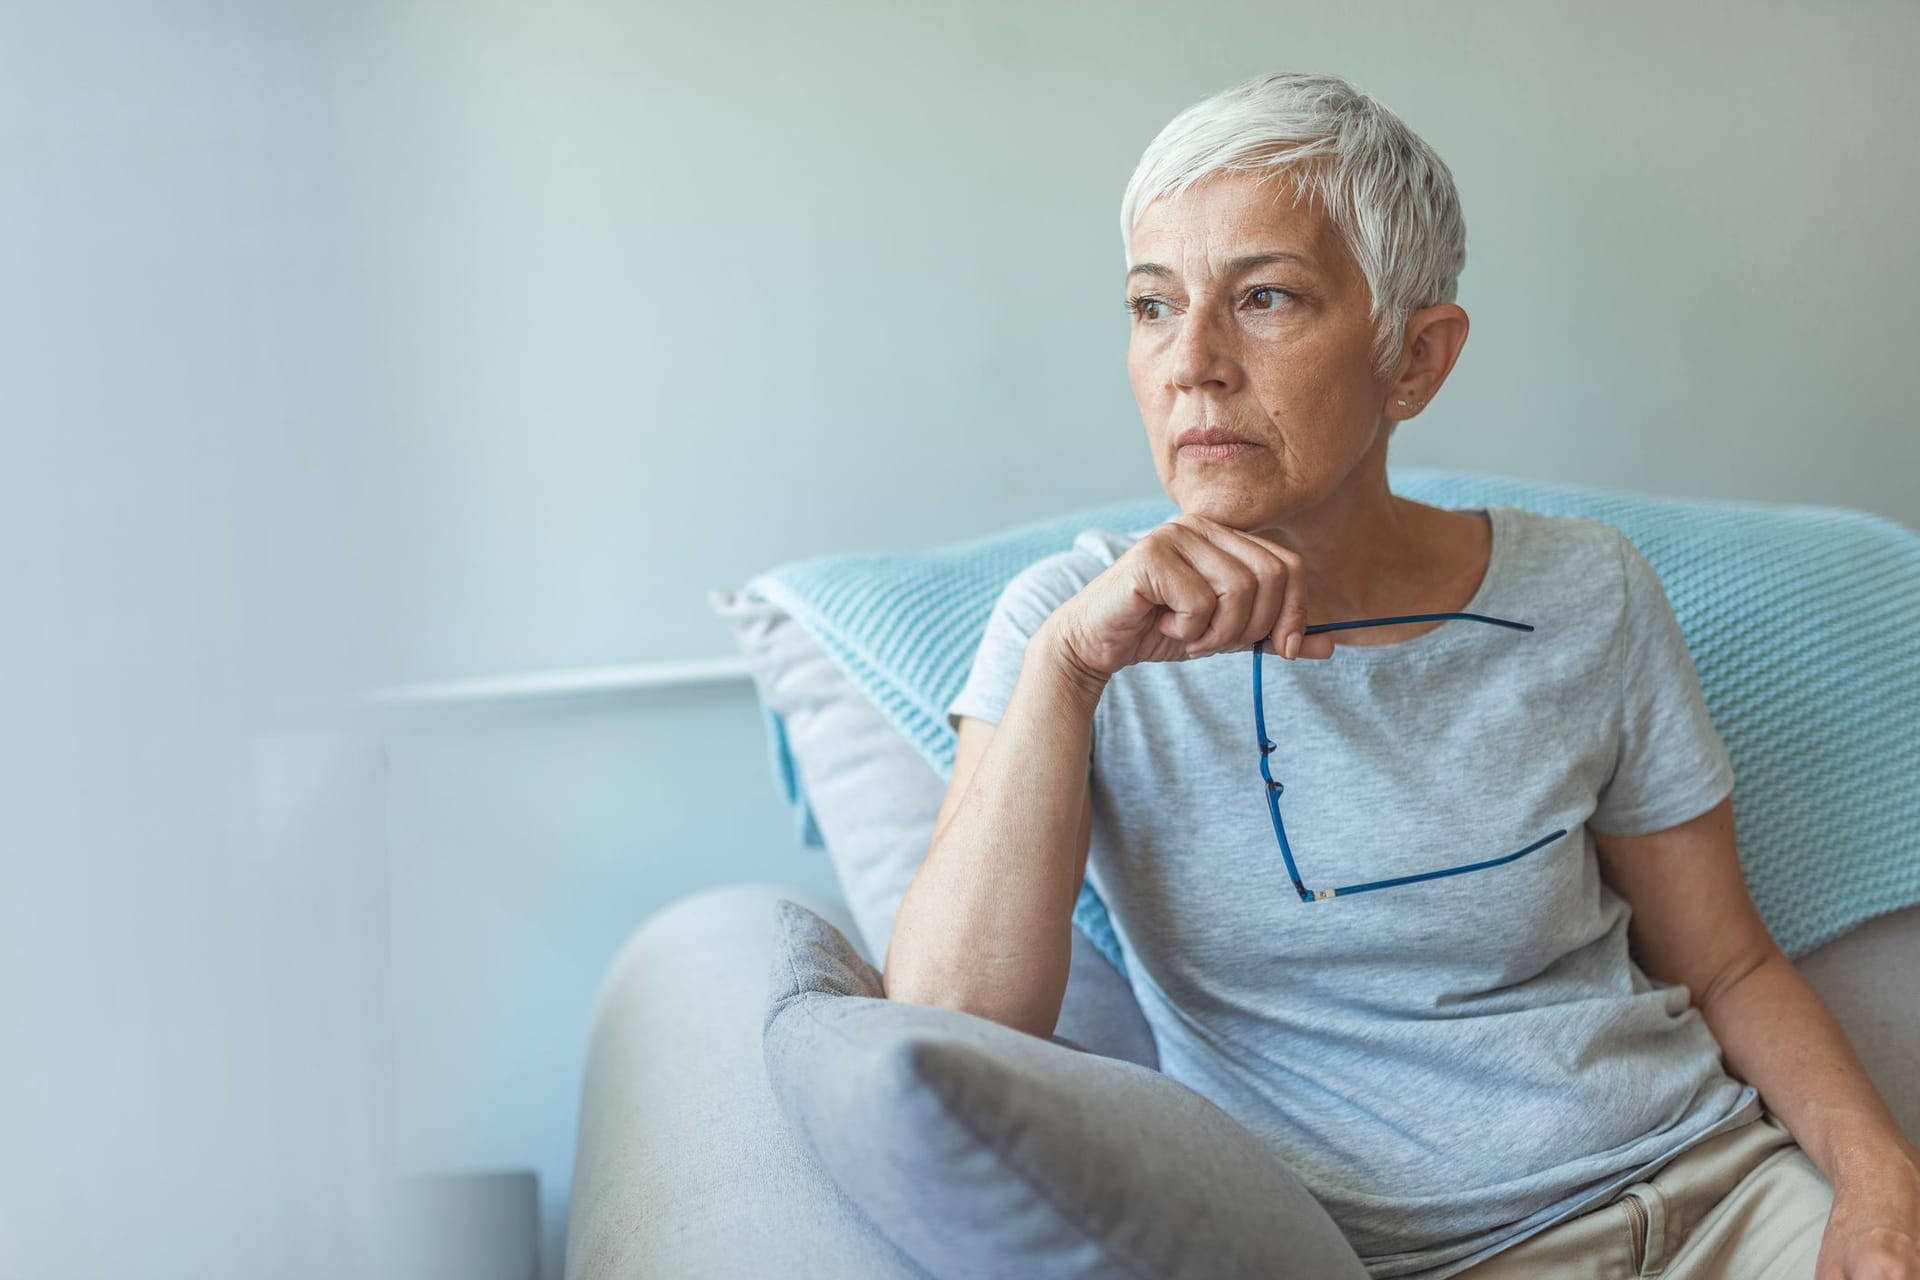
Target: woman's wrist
{"type": "Point", "coordinates": [1050, 647]}
{"type": "Point", "coordinates": [1875, 1158]}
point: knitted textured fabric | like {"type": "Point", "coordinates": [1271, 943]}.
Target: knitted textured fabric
{"type": "Point", "coordinates": [1802, 622]}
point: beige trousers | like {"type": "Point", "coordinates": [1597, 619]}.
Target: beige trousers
{"type": "Point", "coordinates": [1747, 1204]}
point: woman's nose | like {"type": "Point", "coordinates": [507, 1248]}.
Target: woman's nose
{"type": "Point", "coordinates": [1200, 354]}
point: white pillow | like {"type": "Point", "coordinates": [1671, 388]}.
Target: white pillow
{"type": "Point", "coordinates": [874, 798]}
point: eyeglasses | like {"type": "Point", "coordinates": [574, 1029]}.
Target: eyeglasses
{"type": "Point", "coordinates": [1274, 787]}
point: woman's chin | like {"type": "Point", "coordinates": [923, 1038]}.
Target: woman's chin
{"type": "Point", "coordinates": [1235, 506]}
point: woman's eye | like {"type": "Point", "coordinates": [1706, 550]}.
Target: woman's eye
{"type": "Point", "coordinates": [1146, 307]}
{"type": "Point", "coordinates": [1137, 306]}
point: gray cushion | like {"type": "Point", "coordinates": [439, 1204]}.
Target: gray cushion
{"type": "Point", "coordinates": [983, 1151]}
{"type": "Point", "coordinates": [875, 800]}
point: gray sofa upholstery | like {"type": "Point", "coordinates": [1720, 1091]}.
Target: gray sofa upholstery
{"type": "Point", "coordinates": [685, 1168]}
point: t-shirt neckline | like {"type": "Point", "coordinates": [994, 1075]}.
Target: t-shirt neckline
{"type": "Point", "coordinates": [1453, 633]}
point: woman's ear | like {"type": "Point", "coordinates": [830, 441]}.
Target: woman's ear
{"type": "Point", "coordinates": [1434, 338]}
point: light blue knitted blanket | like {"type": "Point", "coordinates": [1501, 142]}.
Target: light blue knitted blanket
{"type": "Point", "coordinates": [1804, 623]}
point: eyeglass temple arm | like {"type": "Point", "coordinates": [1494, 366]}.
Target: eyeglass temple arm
{"type": "Point", "coordinates": [1413, 617]}
{"type": "Point", "coordinates": [1344, 890]}
{"type": "Point", "coordinates": [1274, 788]}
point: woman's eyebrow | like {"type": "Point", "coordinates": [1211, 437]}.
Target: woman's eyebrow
{"type": "Point", "coordinates": [1245, 263]}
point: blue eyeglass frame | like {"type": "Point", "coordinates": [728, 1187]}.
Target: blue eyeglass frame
{"type": "Point", "coordinates": [1275, 787]}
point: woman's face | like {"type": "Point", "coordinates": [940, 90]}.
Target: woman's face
{"type": "Point", "coordinates": [1249, 316]}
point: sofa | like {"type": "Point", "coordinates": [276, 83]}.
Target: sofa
{"type": "Point", "coordinates": [685, 1164]}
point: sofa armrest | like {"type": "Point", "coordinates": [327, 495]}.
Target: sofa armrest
{"type": "Point", "coordinates": [684, 1165]}
{"type": "Point", "coordinates": [1870, 978]}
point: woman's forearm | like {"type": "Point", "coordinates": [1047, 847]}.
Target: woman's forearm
{"type": "Point", "coordinates": [985, 923]}
{"type": "Point", "coordinates": [1777, 1034]}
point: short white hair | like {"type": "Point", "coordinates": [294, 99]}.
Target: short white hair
{"type": "Point", "coordinates": [1387, 192]}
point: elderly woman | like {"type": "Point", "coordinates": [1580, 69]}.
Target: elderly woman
{"type": "Point", "coordinates": [1406, 967]}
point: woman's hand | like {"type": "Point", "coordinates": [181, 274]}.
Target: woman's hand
{"type": "Point", "coordinates": [1188, 588]}
{"type": "Point", "coordinates": [1873, 1233]}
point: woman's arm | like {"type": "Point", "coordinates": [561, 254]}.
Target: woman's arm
{"type": "Point", "coordinates": [1694, 924]}
{"type": "Point", "coordinates": [985, 926]}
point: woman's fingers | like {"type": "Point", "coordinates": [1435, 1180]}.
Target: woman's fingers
{"type": "Point", "coordinates": [1188, 599]}
{"type": "Point", "coordinates": [1316, 646]}
{"type": "Point", "coordinates": [1290, 618]}
{"type": "Point", "coordinates": [1192, 587]}
{"type": "Point", "coordinates": [1231, 579]}
{"type": "Point", "coordinates": [1266, 576]}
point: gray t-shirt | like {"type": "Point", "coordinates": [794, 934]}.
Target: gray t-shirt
{"type": "Point", "coordinates": [1453, 1064]}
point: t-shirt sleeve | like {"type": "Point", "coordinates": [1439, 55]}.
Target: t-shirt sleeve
{"type": "Point", "coordinates": [1028, 599]}
{"type": "Point", "coordinates": [1671, 764]}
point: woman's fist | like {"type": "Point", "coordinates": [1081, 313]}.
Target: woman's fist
{"type": "Point", "coordinates": [1188, 588]}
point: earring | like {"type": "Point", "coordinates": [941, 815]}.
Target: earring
{"type": "Point", "coordinates": [1416, 403]}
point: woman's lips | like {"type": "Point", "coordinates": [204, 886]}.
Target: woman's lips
{"type": "Point", "coordinates": [1216, 452]}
